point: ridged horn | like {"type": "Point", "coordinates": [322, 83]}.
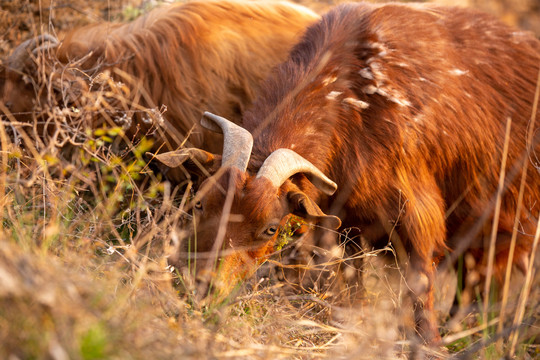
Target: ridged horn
{"type": "Point", "coordinates": [284, 163]}
{"type": "Point", "coordinates": [17, 58]}
{"type": "Point", "coordinates": [237, 141]}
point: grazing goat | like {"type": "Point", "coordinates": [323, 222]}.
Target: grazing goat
{"type": "Point", "coordinates": [188, 57]}
{"type": "Point", "coordinates": [403, 106]}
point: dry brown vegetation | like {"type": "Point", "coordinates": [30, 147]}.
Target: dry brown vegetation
{"type": "Point", "coordinates": [86, 228]}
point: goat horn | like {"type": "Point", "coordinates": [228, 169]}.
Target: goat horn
{"type": "Point", "coordinates": [237, 141]}
{"type": "Point", "coordinates": [174, 159]}
{"type": "Point", "coordinates": [34, 45]}
{"type": "Point", "coordinates": [284, 163]}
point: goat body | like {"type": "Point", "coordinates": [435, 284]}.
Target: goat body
{"type": "Point", "coordinates": [189, 57]}
{"type": "Point", "coordinates": [405, 108]}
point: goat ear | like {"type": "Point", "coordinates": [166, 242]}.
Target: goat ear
{"type": "Point", "coordinates": [179, 165]}
{"type": "Point", "coordinates": [300, 204]}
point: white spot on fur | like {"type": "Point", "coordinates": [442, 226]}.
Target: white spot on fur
{"type": "Point", "coordinates": [358, 104]}
{"type": "Point", "coordinates": [369, 89]}
{"type": "Point", "coordinates": [376, 68]}
{"type": "Point", "coordinates": [395, 98]}
{"type": "Point", "coordinates": [366, 73]}
{"type": "Point", "coordinates": [383, 50]}
{"type": "Point", "coordinates": [402, 102]}
{"type": "Point", "coordinates": [333, 95]}
{"type": "Point", "coordinates": [458, 72]}
{"type": "Point", "coordinates": [418, 118]}
{"type": "Point", "coordinates": [299, 8]}
{"type": "Point", "coordinates": [518, 36]}
{"type": "Point", "coordinates": [329, 80]}
{"type": "Point", "coordinates": [310, 131]}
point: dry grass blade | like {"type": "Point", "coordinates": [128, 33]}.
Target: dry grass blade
{"type": "Point", "coordinates": [495, 225]}
{"type": "Point", "coordinates": [524, 296]}
{"type": "Point", "coordinates": [530, 137]}
{"type": "Point", "coordinates": [530, 269]}
{"type": "Point", "coordinates": [3, 167]}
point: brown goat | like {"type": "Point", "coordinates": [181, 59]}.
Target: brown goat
{"type": "Point", "coordinates": [405, 108]}
{"type": "Point", "coordinates": [189, 57]}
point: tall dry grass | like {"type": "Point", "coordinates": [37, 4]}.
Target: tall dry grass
{"type": "Point", "coordinates": [86, 228]}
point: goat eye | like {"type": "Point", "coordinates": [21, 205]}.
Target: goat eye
{"type": "Point", "coordinates": [198, 205]}
{"type": "Point", "coordinates": [271, 230]}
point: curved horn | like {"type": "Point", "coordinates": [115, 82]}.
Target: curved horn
{"type": "Point", "coordinates": [284, 163]}
{"type": "Point", "coordinates": [17, 59]}
{"type": "Point", "coordinates": [237, 141]}
{"type": "Point", "coordinates": [174, 159]}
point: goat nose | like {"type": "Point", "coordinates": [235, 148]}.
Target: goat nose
{"type": "Point", "coordinates": [8, 105]}
{"type": "Point", "coordinates": [202, 287]}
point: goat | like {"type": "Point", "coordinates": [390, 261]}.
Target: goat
{"type": "Point", "coordinates": [199, 55]}
{"type": "Point", "coordinates": [405, 108]}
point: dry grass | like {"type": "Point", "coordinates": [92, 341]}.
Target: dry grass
{"type": "Point", "coordinates": [85, 231]}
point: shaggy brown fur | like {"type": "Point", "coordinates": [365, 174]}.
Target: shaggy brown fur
{"type": "Point", "coordinates": [405, 108]}
{"type": "Point", "coordinates": [203, 55]}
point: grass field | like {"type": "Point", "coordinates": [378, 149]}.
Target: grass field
{"type": "Point", "coordinates": [86, 228]}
